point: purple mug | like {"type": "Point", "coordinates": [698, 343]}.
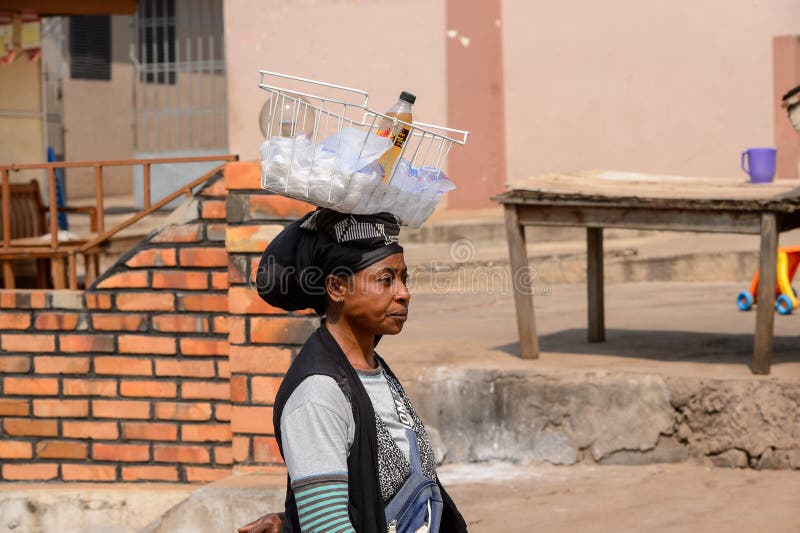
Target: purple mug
{"type": "Point", "coordinates": [760, 164]}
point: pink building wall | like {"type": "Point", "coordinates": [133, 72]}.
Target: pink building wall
{"type": "Point", "coordinates": [676, 88]}
{"type": "Point", "coordinates": [666, 87]}
{"type": "Point", "coordinates": [382, 47]}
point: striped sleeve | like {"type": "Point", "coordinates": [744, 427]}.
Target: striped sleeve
{"type": "Point", "coordinates": [322, 507]}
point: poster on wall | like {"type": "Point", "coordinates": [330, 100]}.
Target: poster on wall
{"type": "Point", "coordinates": [31, 34]}
{"type": "Point", "coordinates": [6, 38]}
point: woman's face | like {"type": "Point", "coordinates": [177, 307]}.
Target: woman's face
{"type": "Point", "coordinates": [377, 297]}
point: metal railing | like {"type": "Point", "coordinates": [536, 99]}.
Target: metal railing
{"type": "Point", "coordinates": [58, 251]}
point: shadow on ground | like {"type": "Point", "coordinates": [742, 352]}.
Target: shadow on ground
{"type": "Point", "coordinates": [659, 345]}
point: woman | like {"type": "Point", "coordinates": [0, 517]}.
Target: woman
{"type": "Point", "coordinates": [353, 445]}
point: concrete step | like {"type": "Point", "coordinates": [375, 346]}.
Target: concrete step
{"type": "Point", "coordinates": [118, 209]}
{"type": "Point", "coordinates": [223, 505]}
{"type": "Point", "coordinates": [488, 225]}
{"type": "Point", "coordinates": [461, 245]}
{"type": "Point", "coordinates": [629, 256]}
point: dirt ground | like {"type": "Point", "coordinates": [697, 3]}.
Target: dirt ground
{"type": "Point", "coordinates": [664, 328]}
{"type": "Point", "coordinates": [652, 498]}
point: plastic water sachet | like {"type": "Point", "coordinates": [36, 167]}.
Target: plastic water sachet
{"type": "Point", "coordinates": [432, 185]}
{"type": "Point", "coordinates": [343, 172]}
{"type": "Point", "coordinates": [360, 189]}
{"type": "Point", "coordinates": [340, 172]}
{"type": "Point", "coordinates": [286, 164]}
{"type": "Point", "coordinates": [357, 172]}
{"type": "Point", "coordinates": [355, 149]}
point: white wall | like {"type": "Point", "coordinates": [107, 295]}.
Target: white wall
{"type": "Point", "coordinates": [675, 87]}
{"type": "Point", "coordinates": [381, 46]}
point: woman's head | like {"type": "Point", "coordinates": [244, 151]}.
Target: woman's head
{"type": "Point", "coordinates": [374, 299]}
{"type": "Point", "coordinates": [297, 265]}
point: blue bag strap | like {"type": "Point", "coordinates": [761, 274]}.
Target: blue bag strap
{"type": "Point", "coordinates": [414, 455]}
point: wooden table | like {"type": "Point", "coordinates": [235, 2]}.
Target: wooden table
{"type": "Point", "coordinates": [605, 199]}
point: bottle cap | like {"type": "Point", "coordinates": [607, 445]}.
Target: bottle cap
{"type": "Point", "coordinates": [408, 97]}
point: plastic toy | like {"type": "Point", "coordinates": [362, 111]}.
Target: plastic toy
{"type": "Point", "coordinates": [786, 297]}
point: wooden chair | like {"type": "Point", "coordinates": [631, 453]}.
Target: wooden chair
{"type": "Point", "coordinates": [29, 221]}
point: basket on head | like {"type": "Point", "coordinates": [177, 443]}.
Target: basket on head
{"type": "Point", "coordinates": [325, 150]}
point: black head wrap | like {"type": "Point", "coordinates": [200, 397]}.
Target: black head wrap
{"type": "Point", "coordinates": [296, 263]}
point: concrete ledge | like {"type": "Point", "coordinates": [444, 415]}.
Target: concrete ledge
{"type": "Point", "coordinates": [603, 417]}
{"type": "Point", "coordinates": [224, 505]}
{"type": "Point", "coordinates": [85, 507]}
{"type": "Point", "coordinates": [139, 507]}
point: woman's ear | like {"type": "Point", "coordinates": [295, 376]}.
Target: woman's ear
{"type": "Point", "coordinates": [336, 288]}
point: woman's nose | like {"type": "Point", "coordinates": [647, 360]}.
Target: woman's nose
{"type": "Point", "coordinates": [402, 292]}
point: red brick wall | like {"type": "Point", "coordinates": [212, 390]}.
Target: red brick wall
{"type": "Point", "coordinates": [166, 369]}
{"type": "Point", "coordinates": [263, 339]}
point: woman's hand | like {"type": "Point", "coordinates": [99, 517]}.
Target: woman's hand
{"type": "Point", "coordinates": [269, 523]}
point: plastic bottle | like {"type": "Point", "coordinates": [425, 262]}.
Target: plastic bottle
{"type": "Point", "coordinates": [401, 111]}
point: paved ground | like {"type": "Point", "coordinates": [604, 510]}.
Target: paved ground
{"type": "Point", "coordinates": [655, 498]}
{"type": "Point", "coordinates": [677, 328]}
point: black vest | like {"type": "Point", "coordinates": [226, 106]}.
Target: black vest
{"type": "Point", "coordinates": [322, 355]}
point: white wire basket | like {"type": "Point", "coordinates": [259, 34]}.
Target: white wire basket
{"type": "Point", "coordinates": [325, 150]}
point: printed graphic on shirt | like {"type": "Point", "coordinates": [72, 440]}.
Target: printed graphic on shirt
{"type": "Point", "coordinates": [427, 456]}
{"type": "Point", "coordinates": [402, 411]}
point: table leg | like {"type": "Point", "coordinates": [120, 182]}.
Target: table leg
{"type": "Point", "coordinates": [594, 282]}
{"type": "Point", "coordinates": [765, 308]}
{"type": "Point", "coordinates": [522, 285]}
{"type": "Point", "coordinates": [57, 269]}
{"type": "Point", "coordinates": [8, 276]}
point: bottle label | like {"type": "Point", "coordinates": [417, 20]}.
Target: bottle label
{"type": "Point", "coordinates": [389, 157]}
{"type": "Point", "coordinates": [401, 136]}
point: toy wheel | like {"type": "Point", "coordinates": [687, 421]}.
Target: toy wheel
{"type": "Point", "coordinates": [744, 300]}
{"type": "Point", "coordinates": [783, 304]}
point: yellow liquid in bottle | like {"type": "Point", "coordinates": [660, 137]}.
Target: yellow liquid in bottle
{"type": "Point", "coordinates": [399, 134]}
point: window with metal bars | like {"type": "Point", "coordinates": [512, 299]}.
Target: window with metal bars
{"type": "Point", "coordinates": [157, 41]}
{"type": "Point", "coordinates": [90, 47]}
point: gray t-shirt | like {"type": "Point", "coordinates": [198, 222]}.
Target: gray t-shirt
{"type": "Point", "coordinates": [317, 426]}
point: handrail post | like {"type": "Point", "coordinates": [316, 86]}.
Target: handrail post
{"type": "Point", "coordinates": [51, 197]}
{"type": "Point", "coordinates": [147, 185]}
{"type": "Point", "coordinates": [72, 271]}
{"type": "Point", "coordinates": [6, 209]}
{"type": "Point", "coordinates": [8, 272]}
{"type": "Point", "coordinates": [98, 191]}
